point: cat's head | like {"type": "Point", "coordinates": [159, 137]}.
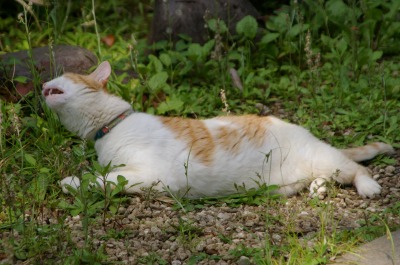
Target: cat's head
{"type": "Point", "coordinates": [82, 102]}
{"type": "Point", "coordinates": [70, 88]}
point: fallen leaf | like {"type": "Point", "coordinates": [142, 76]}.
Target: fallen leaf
{"type": "Point", "coordinates": [109, 40]}
{"type": "Point", "coordinates": [24, 89]}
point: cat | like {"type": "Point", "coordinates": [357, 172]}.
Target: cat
{"type": "Point", "coordinates": [201, 157]}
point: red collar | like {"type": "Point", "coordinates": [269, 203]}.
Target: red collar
{"type": "Point", "coordinates": [107, 128]}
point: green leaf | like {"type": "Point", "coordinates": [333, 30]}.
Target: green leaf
{"type": "Point", "coordinates": [113, 209]}
{"type": "Point", "coordinates": [165, 59]}
{"type": "Point", "coordinates": [296, 29]}
{"type": "Point", "coordinates": [338, 11]}
{"type": "Point", "coordinates": [278, 23]}
{"type": "Point", "coordinates": [30, 159]}
{"type": "Point", "coordinates": [97, 168]}
{"type": "Point", "coordinates": [78, 150]}
{"type": "Point", "coordinates": [376, 55]}
{"type": "Point", "coordinates": [75, 212]}
{"type": "Point", "coordinates": [39, 186]}
{"type": "Point", "coordinates": [247, 27]}
{"type": "Point", "coordinates": [195, 51]}
{"type": "Point", "coordinates": [269, 37]}
{"type": "Point", "coordinates": [21, 79]}
{"type": "Point", "coordinates": [341, 46]}
{"type": "Point", "coordinates": [208, 47]}
{"type": "Point", "coordinates": [217, 25]}
{"type": "Point", "coordinates": [187, 66]}
{"type": "Point", "coordinates": [44, 170]}
{"type": "Point", "coordinates": [170, 104]}
{"type": "Point", "coordinates": [122, 180]}
{"type": "Point", "coordinates": [327, 41]}
{"type": "Point", "coordinates": [64, 205]}
{"type": "Point", "coordinates": [96, 206]}
{"type": "Point", "coordinates": [156, 63]}
{"type": "Point", "coordinates": [158, 80]}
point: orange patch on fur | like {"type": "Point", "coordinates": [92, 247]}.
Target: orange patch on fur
{"type": "Point", "coordinates": [229, 138]}
{"type": "Point", "coordinates": [86, 80]}
{"type": "Point", "coordinates": [249, 127]}
{"type": "Point", "coordinates": [196, 134]}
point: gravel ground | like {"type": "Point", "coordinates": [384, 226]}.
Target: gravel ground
{"type": "Point", "coordinates": [154, 231]}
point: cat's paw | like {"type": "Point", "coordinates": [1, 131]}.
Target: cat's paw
{"type": "Point", "coordinates": [318, 188]}
{"type": "Point", "coordinates": [366, 186]}
{"type": "Point", "coordinates": [71, 181]}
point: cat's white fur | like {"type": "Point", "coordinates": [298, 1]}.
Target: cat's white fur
{"type": "Point", "coordinates": [290, 156]}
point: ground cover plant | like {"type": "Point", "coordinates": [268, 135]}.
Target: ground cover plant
{"type": "Point", "coordinates": [331, 66]}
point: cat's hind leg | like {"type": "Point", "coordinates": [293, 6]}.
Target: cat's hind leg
{"type": "Point", "coordinates": [366, 186]}
{"type": "Point", "coordinates": [348, 172]}
{"type": "Point", "coordinates": [359, 176]}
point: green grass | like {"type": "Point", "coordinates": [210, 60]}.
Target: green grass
{"type": "Point", "coordinates": [332, 67]}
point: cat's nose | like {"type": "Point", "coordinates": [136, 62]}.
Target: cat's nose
{"type": "Point", "coordinates": [44, 84]}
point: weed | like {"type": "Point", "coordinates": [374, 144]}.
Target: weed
{"type": "Point", "coordinates": [253, 196]}
{"type": "Point", "coordinates": [113, 233]}
{"type": "Point", "coordinates": [152, 258]}
{"type": "Point", "coordinates": [256, 253]}
{"type": "Point", "coordinates": [85, 256]}
{"type": "Point", "coordinates": [92, 197]}
{"type": "Point", "coordinates": [188, 232]}
{"type": "Point", "coordinates": [201, 257]}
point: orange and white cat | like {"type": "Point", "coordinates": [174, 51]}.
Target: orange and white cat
{"type": "Point", "coordinates": [204, 157]}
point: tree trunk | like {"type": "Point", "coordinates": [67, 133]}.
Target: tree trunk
{"type": "Point", "coordinates": [189, 17]}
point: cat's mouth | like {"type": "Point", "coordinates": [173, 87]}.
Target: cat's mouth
{"type": "Point", "coordinates": [52, 91]}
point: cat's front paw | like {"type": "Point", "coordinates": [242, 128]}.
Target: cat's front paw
{"type": "Point", "coordinates": [71, 181]}
{"type": "Point", "coordinates": [318, 188]}
{"type": "Point", "coordinates": [367, 187]}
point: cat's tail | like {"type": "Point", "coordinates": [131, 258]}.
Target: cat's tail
{"type": "Point", "coordinates": [368, 151]}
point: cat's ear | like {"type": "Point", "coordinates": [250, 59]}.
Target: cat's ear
{"type": "Point", "coordinates": [102, 73]}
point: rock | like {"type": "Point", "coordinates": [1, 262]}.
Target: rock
{"type": "Point", "coordinates": [76, 218]}
{"type": "Point", "coordinates": [181, 254]}
{"type": "Point", "coordinates": [249, 223]}
{"type": "Point", "coordinates": [390, 169]}
{"type": "Point", "coordinates": [277, 238]}
{"type": "Point", "coordinates": [240, 235]}
{"type": "Point", "coordinates": [121, 210]}
{"type": "Point", "coordinates": [381, 251]}
{"type": "Point", "coordinates": [303, 213]}
{"type": "Point", "coordinates": [243, 260]}
{"type": "Point", "coordinates": [376, 176]}
{"type": "Point", "coordinates": [223, 216]}
{"type": "Point", "coordinates": [47, 63]}
{"type": "Point", "coordinates": [155, 230]}
{"type": "Point", "coordinates": [200, 247]}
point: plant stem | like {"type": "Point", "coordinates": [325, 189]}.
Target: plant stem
{"type": "Point", "coordinates": [96, 29]}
